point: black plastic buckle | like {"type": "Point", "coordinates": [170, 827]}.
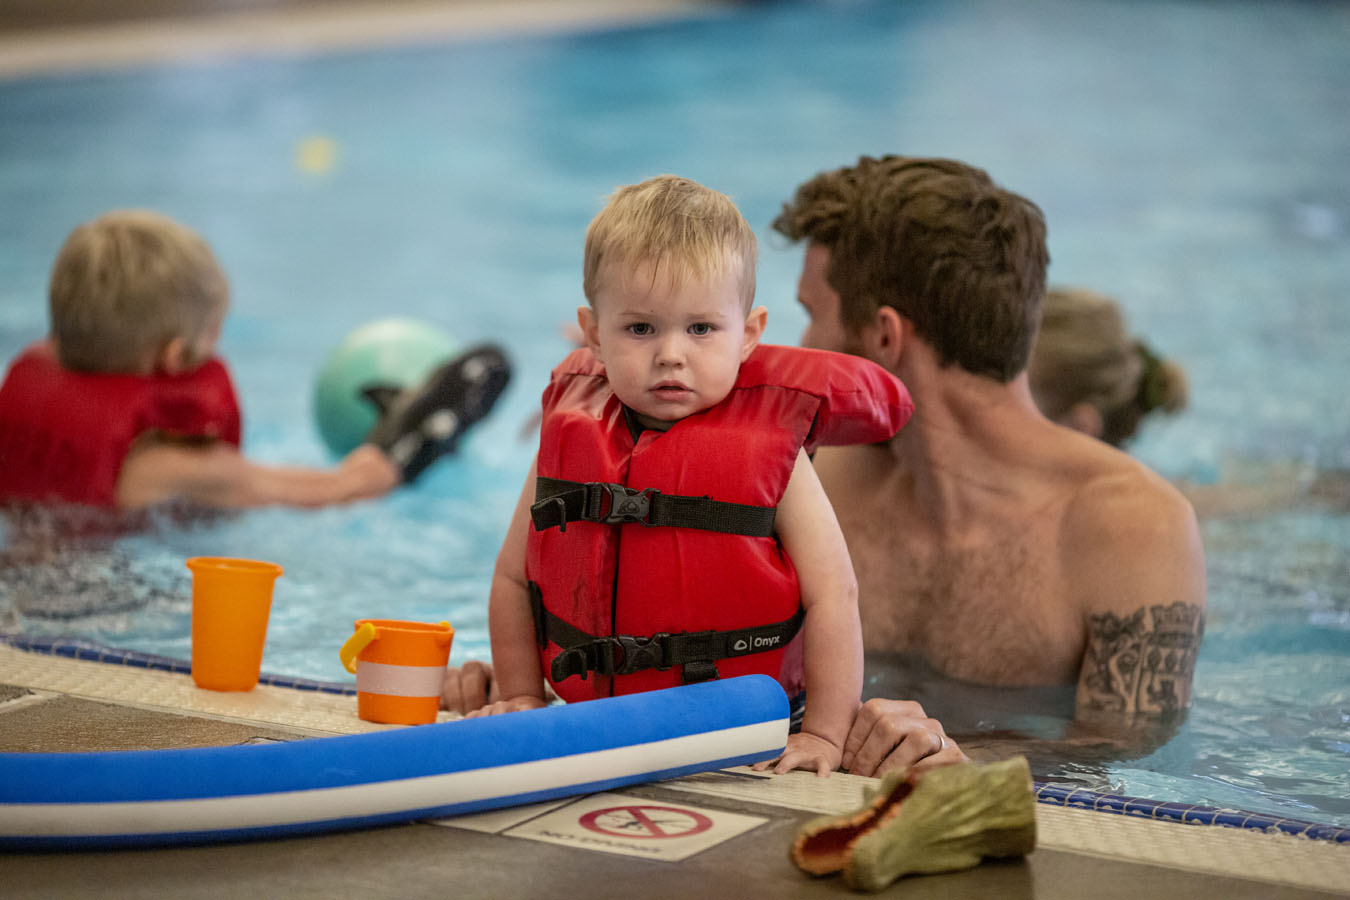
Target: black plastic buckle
{"type": "Point", "coordinates": [625, 504]}
{"type": "Point", "coordinates": [619, 655]}
{"type": "Point", "coordinates": [640, 653]}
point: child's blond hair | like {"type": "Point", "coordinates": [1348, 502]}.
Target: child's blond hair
{"type": "Point", "coordinates": [676, 225]}
{"type": "Point", "coordinates": [126, 284]}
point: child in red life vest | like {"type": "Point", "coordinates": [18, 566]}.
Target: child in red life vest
{"type": "Point", "coordinates": [124, 406]}
{"type": "Point", "coordinates": [672, 528]}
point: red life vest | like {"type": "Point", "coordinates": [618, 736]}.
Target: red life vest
{"type": "Point", "coordinates": [631, 579]}
{"type": "Point", "coordinates": [65, 434]}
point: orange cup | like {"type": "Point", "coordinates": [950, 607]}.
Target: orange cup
{"type": "Point", "coordinates": [399, 669]}
{"type": "Point", "coordinates": [231, 600]}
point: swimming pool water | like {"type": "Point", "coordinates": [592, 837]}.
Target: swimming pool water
{"type": "Point", "coordinates": [1190, 158]}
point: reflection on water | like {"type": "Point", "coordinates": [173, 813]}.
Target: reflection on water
{"type": "Point", "coordinates": [967, 709]}
{"type": "Point", "coordinates": [77, 571]}
{"type": "Point", "coordinates": [63, 563]}
{"type": "Point", "coordinates": [69, 583]}
{"type": "Point", "coordinates": [1035, 722]}
{"type": "Point", "coordinates": [423, 554]}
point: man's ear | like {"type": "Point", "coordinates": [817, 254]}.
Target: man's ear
{"type": "Point", "coordinates": [172, 359]}
{"type": "Point", "coordinates": [754, 331]}
{"type": "Point", "coordinates": [884, 339]}
{"type": "Point", "coordinates": [590, 329]}
{"type": "Point", "coordinates": [1084, 417]}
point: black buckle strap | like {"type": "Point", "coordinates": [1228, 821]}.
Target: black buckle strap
{"type": "Point", "coordinates": [537, 613]}
{"type": "Point", "coordinates": [623, 654]}
{"type": "Point", "coordinates": [699, 671]}
{"type": "Point", "coordinates": [558, 501]}
{"type": "Point", "coordinates": [618, 655]}
{"type": "Point", "coordinates": [625, 504]}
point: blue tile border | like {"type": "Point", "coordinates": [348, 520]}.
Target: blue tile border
{"type": "Point", "coordinates": [1046, 792]}
{"type": "Point", "coordinates": [1184, 813]}
{"type": "Point", "coordinates": [78, 648]}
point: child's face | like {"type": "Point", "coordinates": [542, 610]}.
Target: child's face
{"type": "Point", "coordinates": [670, 351]}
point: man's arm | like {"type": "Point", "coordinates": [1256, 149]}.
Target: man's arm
{"type": "Point", "coordinates": [217, 475]}
{"type": "Point", "coordinates": [1136, 555]}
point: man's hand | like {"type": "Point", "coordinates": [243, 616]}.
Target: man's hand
{"type": "Point", "coordinates": [897, 734]}
{"type": "Point", "coordinates": [468, 687]}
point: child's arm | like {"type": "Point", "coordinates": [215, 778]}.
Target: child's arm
{"type": "Point", "coordinates": [219, 476]}
{"type": "Point", "coordinates": [515, 656]}
{"type": "Point", "coordinates": [811, 538]}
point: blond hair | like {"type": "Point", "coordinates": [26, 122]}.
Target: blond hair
{"type": "Point", "coordinates": [1084, 353]}
{"type": "Point", "coordinates": [126, 284]}
{"type": "Point", "coordinates": [691, 231]}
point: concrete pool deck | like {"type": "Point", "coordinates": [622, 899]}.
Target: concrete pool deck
{"type": "Point", "coordinates": [56, 704]}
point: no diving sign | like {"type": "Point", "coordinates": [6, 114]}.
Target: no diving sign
{"type": "Point", "coordinates": [639, 821]}
{"type": "Point", "coordinates": [615, 823]}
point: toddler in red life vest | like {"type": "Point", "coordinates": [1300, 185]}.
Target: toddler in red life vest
{"type": "Point", "coordinates": [672, 528]}
{"type": "Point", "coordinates": [125, 406]}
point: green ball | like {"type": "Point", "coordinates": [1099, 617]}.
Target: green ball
{"type": "Point", "coordinates": [389, 353]}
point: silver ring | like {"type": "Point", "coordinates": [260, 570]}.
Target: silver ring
{"type": "Point", "coordinates": [944, 743]}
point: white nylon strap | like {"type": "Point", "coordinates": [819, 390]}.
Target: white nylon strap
{"type": "Point", "coordinates": [399, 681]}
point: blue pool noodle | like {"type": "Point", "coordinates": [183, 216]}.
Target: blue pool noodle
{"type": "Point", "coordinates": [143, 798]}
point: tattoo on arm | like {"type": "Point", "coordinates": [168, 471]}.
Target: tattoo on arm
{"type": "Point", "coordinates": [1142, 663]}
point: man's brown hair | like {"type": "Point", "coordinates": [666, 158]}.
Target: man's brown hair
{"type": "Point", "coordinates": [958, 256]}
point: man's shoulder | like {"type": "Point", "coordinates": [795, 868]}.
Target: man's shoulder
{"type": "Point", "coordinates": [1127, 527]}
{"type": "Point", "coordinates": [1113, 490]}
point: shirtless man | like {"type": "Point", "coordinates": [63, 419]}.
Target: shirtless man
{"type": "Point", "coordinates": [994, 545]}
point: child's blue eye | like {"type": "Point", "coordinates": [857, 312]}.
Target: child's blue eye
{"type": "Point", "coordinates": [700, 328]}
{"type": "Point", "coordinates": [640, 328]}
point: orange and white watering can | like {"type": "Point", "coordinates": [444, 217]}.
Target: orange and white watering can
{"type": "Point", "coordinates": [399, 669]}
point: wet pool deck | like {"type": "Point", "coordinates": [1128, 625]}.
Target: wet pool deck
{"type": "Point", "coordinates": [55, 704]}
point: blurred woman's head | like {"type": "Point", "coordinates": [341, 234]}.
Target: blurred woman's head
{"type": "Point", "coordinates": [1088, 372]}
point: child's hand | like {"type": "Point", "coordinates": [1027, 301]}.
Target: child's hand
{"type": "Point", "coordinates": [805, 751]}
{"type": "Point", "coordinates": [368, 472]}
{"type": "Point", "coordinates": [468, 687]}
{"type": "Point", "coordinates": [515, 704]}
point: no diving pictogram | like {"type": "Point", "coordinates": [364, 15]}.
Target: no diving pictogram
{"type": "Point", "coordinates": [646, 821]}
